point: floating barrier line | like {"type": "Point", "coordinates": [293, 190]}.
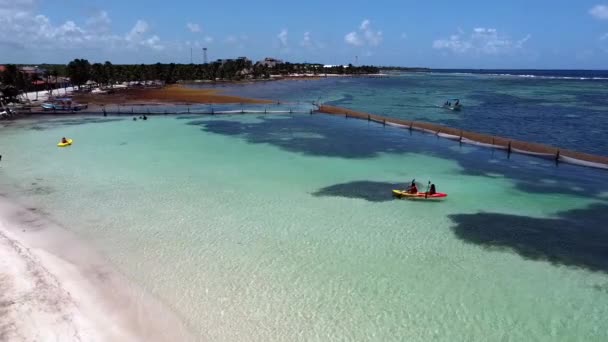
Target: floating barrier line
{"type": "Point", "coordinates": [478, 139]}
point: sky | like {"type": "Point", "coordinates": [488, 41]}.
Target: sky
{"type": "Point", "coordinates": [478, 34]}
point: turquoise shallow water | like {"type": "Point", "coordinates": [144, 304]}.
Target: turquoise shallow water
{"type": "Point", "coordinates": [283, 228]}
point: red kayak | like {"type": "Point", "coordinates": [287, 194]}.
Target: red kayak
{"type": "Point", "coordinates": [419, 195]}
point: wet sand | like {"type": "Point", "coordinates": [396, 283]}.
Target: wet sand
{"type": "Point", "coordinates": [55, 288]}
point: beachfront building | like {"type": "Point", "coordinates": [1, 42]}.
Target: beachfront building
{"type": "Point", "coordinates": [32, 70]}
{"type": "Point", "coordinates": [331, 66]}
{"type": "Point", "coordinates": [270, 62]}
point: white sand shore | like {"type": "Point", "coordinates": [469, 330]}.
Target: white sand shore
{"type": "Point", "coordinates": [54, 288]}
{"type": "Point", "coordinates": [44, 95]}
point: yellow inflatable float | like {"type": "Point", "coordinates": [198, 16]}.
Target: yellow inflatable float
{"type": "Point", "coordinates": [64, 144]}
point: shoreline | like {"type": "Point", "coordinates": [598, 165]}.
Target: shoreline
{"type": "Point", "coordinates": [53, 286]}
{"type": "Point", "coordinates": [172, 94]}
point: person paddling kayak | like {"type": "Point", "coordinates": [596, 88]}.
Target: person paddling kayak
{"type": "Point", "coordinates": [412, 189]}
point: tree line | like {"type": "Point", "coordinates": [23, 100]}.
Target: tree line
{"type": "Point", "coordinates": [80, 71]}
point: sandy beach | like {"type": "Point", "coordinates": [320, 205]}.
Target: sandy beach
{"type": "Point", "coordinates": [55, 288]}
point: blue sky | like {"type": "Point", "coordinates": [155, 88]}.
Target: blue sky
{"type": "Point", "coordinates": [472, 34]}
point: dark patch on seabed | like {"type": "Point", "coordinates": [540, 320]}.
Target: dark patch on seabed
{"type": "Point", "coordinates": [367, 190]}
{"type": "Point", "coordinates": [601, 287]}
{"type": "Point", "coordinates": [332, 136]}
{"type": "Point", "coordinates": [574, 238]}
{"type": "Point", "coordinates": [310, 136]}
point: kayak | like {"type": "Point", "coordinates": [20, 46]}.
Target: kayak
{"type": "Point", "coordinates": [419, 195]}
{"type": "Point", "coordinates": [68, 143]}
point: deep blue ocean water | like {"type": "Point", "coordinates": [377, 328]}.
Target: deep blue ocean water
{"type": "Point", "coordinates": [567, 109]}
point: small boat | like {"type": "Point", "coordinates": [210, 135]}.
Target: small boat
{"type": "Point", "coordinates": [64, 104]}
{"type": "Point", "coordinates": [419, 195]}
{"type": "Point", "coordinates": [453, 105]}
{"type": "Point", "coordinates": [64, 144]}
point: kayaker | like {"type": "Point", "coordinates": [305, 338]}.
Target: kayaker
{"type": "Point", "coordinates": [432, 191]}
{"type": "Point", "coordinates": [64, 140]}
{"type": "Point", "coordinates": [412, 189]}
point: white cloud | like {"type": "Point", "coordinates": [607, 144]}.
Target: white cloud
{"type": "Point", "coordinates": [310, 43]}
{"type": "Point", "coordinates": [138, 30]}
{"type": "Point", "coordinates": [208, 39]}
{"type": "Point", "coordinates": [520, 43]}
{"type": "Point", "coordinates": [14, 6]}
{"type": "Point", "coordinates": [153, 42]}
{"type": "Point", "coordinates": [353, 38]}
{"type": "Point", "coordinates": [365, 36]}
{"type": "Point", "coordinates": [365, 25]}
{"type": "Point", "coordinates": [282, 36]}
{"type": "Point", "coordinates": [194, 28]}
{"type": "Point", "coordinates": [306, 41]}
{"type": "Point", "coordinates": [100, 22]}
{"type": "Point", "coordinates": [481, 41]}
{"type": "Point", "coordinates": [138, 37]}
{"type": "Point", "coordinates": [599, 12]}
{"type": "Point", "coordinates": [29, 33]}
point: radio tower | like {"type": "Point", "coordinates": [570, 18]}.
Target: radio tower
{"type": "Point", "coordinates": [205, 55]}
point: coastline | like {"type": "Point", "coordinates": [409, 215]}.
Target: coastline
{"type": "Point", "coordinates": [173, 94]}
{"type": "Point", "coordinates": [54, 287]}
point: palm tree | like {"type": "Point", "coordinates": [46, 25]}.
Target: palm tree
{"type": "Point", "coordinates": [79, 71]}
{"type": "Point", "coordinates": [109, 71]}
